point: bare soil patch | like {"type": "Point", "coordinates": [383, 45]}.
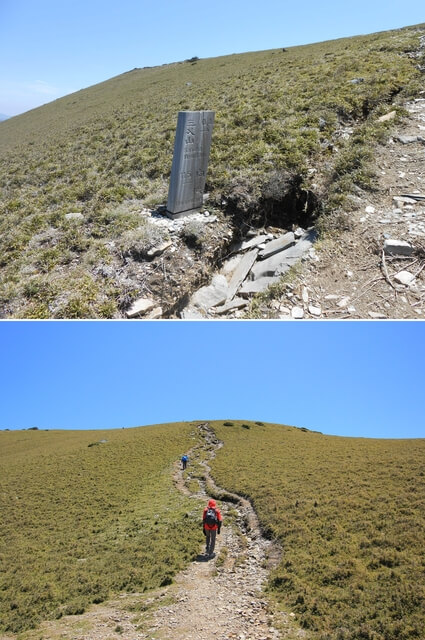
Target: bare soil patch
{"type": "Point", "coordinates": [350, 277]}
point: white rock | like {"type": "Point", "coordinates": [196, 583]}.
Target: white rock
{"type": "Point", "coordinates": [343, 302]}
{"type": "Point", "coordinates": [404, 277]}
{"type": "Point", "coordinates": [314, 311]}
{"type": "Point", "coordinates": [297, 313]}
{"type": "Point", "coordinates": [376, 315]}
{"type": "Point", "coordinates": [304, 295]}
{"type": "Point", "coordinates": [388, 116]}
{"type": "Point", "coordinates": [370, 209]}
{"type": "Point", "coordinates": [285, 310]}
{"type": "Point", "coordinates": [156, 251]}
{"type": "Point", "coordinates": [75, 215]}
{"type": "Point", "coordinates": [140, 307]}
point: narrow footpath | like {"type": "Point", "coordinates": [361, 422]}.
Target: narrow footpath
{"type": "Point", "coordinates": [222, 597]}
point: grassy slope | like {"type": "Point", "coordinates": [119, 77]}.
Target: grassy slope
{"type": "Point", "coordinates": [83, 522]}
{"type": "Point", "coordinates": [80, 522]}
{"type": "Point", "coordinates": [112, 144]}
{"type": "Point", "coordinates": [350, 516]}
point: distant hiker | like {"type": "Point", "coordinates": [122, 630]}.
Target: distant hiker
{"type": "Point", "coordinates": [211, 523]}
{"type": "Point", "coordinates": [185, 460]}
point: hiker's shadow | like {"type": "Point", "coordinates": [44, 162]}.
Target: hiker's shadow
{"type": "Point", "coordinates": [202, 558]}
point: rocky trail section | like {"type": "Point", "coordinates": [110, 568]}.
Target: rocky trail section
{"type": "Point", "coordinates": [220, 598]}
{"type": "Point", "coordinates": [375, 269]}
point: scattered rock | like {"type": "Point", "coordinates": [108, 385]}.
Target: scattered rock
{"type": "Point", "coordinates": [404, 277]}
{"type": "Point", "coordinates": [277, 245]}
{"type": "Point", "coordinates": [407, 139]}
{"type": "Point", "coordinates": [140, 307]}
{"type": "Point", "coordinates": [388, 116]}
{"type": "Point", "coordinates": [397, 248]}
{"type": "Point", "coordinates": [297, 313]}
{"type": "Point", "coordinates": [75, 215]}
{"type": "Point", "coordinates": [155, 314]}
{"type": "Point", "coordinates": [314, 311]}
{"type": "Point", "coordinates": [343, 302]}
{"type": "Point", "coordinates": [400, 200]}
{"type": "Point", "coordinates": [254, 242]}
{"type": "Point", "coordinates": [156, 251]}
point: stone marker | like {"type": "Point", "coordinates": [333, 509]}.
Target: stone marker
{"type": "Point", "coordinates": [190, 162]}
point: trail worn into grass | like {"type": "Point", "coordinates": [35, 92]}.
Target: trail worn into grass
{"type": "Point", "coordinates": [218, 598]}
{"type": "Point", "coordinates": [222, 597]}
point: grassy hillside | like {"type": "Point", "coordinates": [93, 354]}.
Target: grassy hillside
{"type": "Point", "coordinates": [106, 151]}
{"type": "Point", "coordinates": [83, 519]}
{"type": "Point", "coordinates": [350, 515]}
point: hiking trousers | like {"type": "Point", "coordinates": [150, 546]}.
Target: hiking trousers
{"type": "Point", "coordinates": [210, 540]}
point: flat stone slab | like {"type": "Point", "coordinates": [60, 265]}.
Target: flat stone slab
{"type": "Point", "coordinates": [241, 272]}
{"type": "Point", "coordinates": [407, 139]}
{"type": "Point", "coordinates": [233, 305]}
{"type": "Point", "coordinates": [211, 295]}
{"type": "Point", "coordinates": [404, 200]}
{"type": "Point", "coordinates": [275, 246]}
{"type": "Point", "coordinates": [140, 307]}
{"type": "Point", "coordinates": [413, 196]}
{"type": "Point", "coordinates": [254, 242]}
{"type": "Point", "coordinates": [397, 248]}
{"type": "Point", "coordinates": [280, 262]}
{"type": "Point", "coordinates": [251, 287]}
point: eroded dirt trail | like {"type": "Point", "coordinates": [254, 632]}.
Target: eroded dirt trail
{"type": "Point", "coordinates": [221, 598]}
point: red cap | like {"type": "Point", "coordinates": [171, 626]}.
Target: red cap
{"type": "Point", "coordinates": [212, 504]}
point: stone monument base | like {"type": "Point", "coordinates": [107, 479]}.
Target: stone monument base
{"type": "Point", "coordinates": [181, 214]}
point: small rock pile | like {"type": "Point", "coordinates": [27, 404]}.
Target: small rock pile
{"type": "Point", "coordinates": [255, 264]}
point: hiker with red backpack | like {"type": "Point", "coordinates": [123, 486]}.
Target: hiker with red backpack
{"type": "Point", "coordinates": [211, 524]}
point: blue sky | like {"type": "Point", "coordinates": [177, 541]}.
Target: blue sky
{"type": "Point", "coordinates": [342, 378]}
{"type": "Point", "coordinates": [49, 48]}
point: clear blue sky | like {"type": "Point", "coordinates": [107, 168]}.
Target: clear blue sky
{"type": "Point", "coordinates": [341, 378]}
{"type": "Point", "coordinates": [49, 48]}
